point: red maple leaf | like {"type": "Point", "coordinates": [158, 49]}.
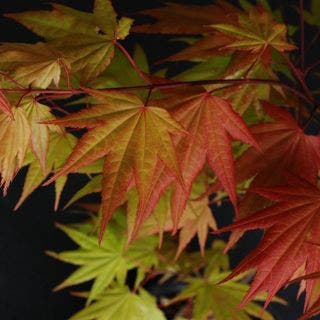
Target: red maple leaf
{"type": "Point", "coordinates": [285, 146]}
{"type": "Point", "coordinates": [212, 124]}
{"type": "Point", "coordinates": [291, 225]}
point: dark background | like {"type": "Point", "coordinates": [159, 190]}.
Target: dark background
{"type": "Point", "coordinates": [27, 275]}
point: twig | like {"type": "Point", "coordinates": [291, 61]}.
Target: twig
{"type": "Point", "coordinates": [301, 10]}
{"type": "Point", "coordinates": [148, 96]}
{"type": "Point", "coordinates": [169, 85]}
{"type": "Point", "coordinates": [312, 66]}
{"type": "Point", "coordinates": [299, 77]}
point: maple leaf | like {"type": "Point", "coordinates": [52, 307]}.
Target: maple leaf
{"type": "Point", "coordinates": [86, 39]}
{"type": "Point", "coordinates": [284, 146]}
{"type": "Point", "coordinates": [93, 186]}
{"type": "Point", "coordinates": [133, 137]}
{"type": "Point", "coordinates": [187, 19]}
{"type": "Point", "coordinates": [36, 112]}
{"type": "Point", "coordinates": [22, 133]}
{"type": "Point", "coordinates": [215, 300]}
{"type": "Point", "coordinates": [244, 64]}
{"type": "Point", "coordinates": [289, 225]}
{"type": "Point", "coordinates": [313, 16]}
{"type": "Point", "coordinates": [196, 219]}
{"type": "Point", "coordinates": [108, 261]}
{"type": "Point", "coordinates": [15, 136]}
{"type": "Point", "coordinates": [36, 65]}
{"type": "Point", "coordinates": [256, 31]}
{"type": "Point", "coordinates": [210, 140]}
{"type": "Point", "coordinates": [62, 141]}
{"type": "Point", "coordinates": [123, 303]}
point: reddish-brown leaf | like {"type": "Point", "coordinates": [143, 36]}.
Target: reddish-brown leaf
{"type": "Point", "coordinates": [285, 147]}
{"type": "Point", "coordinates": [212, 123]}
{"type": "Point", "coordinates": [187, 19]}
{"type": "Point", "coordinates": [290, 224]}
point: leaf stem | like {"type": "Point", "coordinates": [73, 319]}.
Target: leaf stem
{"type": "Point", "coordinates": [132, 62]}
{"type": "Point", "coordinates": [300, 77]}
{"type": "Point", "coordinates": [301, 10]}
{"type": "Point", "coordinates": [9, 78]}
{"type": "Point", "coordinates": [312, 66]}
{"type": "Point", "coordinates": [148, 96]}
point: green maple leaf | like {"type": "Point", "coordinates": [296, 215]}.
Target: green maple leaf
{"type": "Point", "coordinates": [313, 16]}
{"type": "Point", "coordinates": [121, 304]}
{"type": "Point", "coordinates": [86, 39]}
{"type": "Point", "coordinates": [220, 301]}
{"type": "Point", "coordinates": [108, 261]}
{"type": "Point", "coordinates": [211, 299]}
{"type": "Point", "coordinates": [93, 186]}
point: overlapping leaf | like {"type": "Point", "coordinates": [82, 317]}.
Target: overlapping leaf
{"type": "Point", "coordinates": [215, 300]}
{"type": "Point", "coordinates": [284, 146]}
{"type": "Point", "coordinates": [256, 31]}
{"type": "Point", "coordinates": [133, 137]}
{"type": "Point", "coordinates": [210, 141]}
{"type": "Point", "coordinates": [120, 303]}
{"type": "Point", "coordinates": [36, 174]}
{"type": "Point", "coordinates": [37, 65]}
{"type": "Point", "coordinates": [86, 39]}
{"type": "Point", "coordinates": [15, 137]}
{"type": "Point", "coordinates": [290, 224]}
{"type": "Point", "coordinates": [108, 261]}
{"type": "Point", "coordinates": [196, 220]}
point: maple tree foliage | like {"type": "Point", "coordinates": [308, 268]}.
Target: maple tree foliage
{"type": "Point", "coordinates": [238, 124]}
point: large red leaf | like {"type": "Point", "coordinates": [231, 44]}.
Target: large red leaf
{"type": "Point", "coordinates": [290, 225]}
{"type": "Point", "coordinates": [285, 147]}
{"type": "Point", "coordinates": [212, 123]}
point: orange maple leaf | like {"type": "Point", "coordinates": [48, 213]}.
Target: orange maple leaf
{"type": "Point", "coordinates": [134, 138]}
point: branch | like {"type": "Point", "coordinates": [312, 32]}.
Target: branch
{"type": "Point", "coordinates": [312, 66]}
{"type": "Point", "coordinates": [168, 85]}
{"type": "Point", "coordinates": [301, 10]}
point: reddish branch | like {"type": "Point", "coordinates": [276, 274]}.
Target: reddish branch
{"type": "Point", "coordinates": [300, 77]}
{"type": "Point", "coordinates": [169, 85]}
{"type": "Point", "coordinates": [301, 9]}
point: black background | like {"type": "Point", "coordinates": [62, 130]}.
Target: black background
{"type": "Point", "coordinates": [27, 275]}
